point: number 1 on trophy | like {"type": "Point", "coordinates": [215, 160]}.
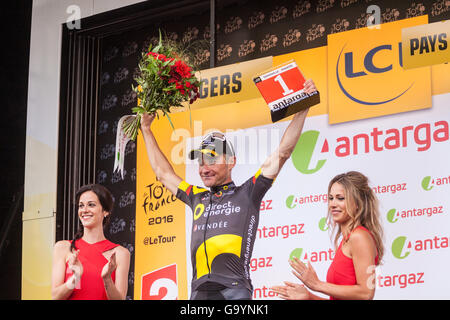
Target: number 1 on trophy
{"type": "Point", "coordinates": [282, 89]}
{"type": "Point", "coordinates": [280, 80]}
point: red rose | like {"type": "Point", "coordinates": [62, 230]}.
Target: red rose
{"type": "Point", "coordinates": [159, 56]}
{"type": "Point", "coordinates": [182, 69]}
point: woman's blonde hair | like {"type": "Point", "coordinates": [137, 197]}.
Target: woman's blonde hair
{"type": "Point", "coordinates": [362, 207]}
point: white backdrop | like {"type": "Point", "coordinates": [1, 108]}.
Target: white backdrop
{"type": "Point", "coordinates": [417, 254]}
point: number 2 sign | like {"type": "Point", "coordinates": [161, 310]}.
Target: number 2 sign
{"type": "Point", "coordinates": [282, 89]}
{"type": "Point", "coordinates": [160, 284]}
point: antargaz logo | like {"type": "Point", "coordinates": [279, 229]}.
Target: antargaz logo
{"type": "Point", "coordinates": [397, 248]}
{"type": "Point", "coordinates": [313, 256]}
{"type": "Point", "coordinates": [393, 215]}
{"type": "Point", "coordinates": [290, 202]}
{"type": "Point", "coordinates": [303, 152]}
{"type": "Point", "coordinates": [401, 247]}
{"type": "Point", "coordinates": [420, 137]}
{"type": "Point", "coordinates": [323, 225]}
{"type": "Point", "coordinates": [296, 253]}
{"type": "Point", "coordinates": [428, 182]}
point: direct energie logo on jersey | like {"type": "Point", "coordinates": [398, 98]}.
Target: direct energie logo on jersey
{"type": "Point", "coordinates": [366, 77]}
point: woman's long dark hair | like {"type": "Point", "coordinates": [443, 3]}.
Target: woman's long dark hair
{"type": "Point", "coordinates": [106, 201]}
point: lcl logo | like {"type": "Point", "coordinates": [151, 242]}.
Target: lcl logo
{"type": "Point", "coordinates": [366, 77]}
{"type": "Point", "coordinates": [160, 284]}
{"type": "Point", "coordinates": [370, 67]}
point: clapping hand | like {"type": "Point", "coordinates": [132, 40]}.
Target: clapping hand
{"type": "Point", "coordinates": [76, 267]}
{"type": "Point", "coordinates": [109, 267]}
{"type": "Point", "coordinates": [292, 291]}
{"type": "Point", "coordinates": [305, 273]}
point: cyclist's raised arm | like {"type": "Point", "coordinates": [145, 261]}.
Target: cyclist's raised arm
{"type": "Point", "coordinates": [273, 164]}
{"type": "Point", "coordinates": [158, 161]}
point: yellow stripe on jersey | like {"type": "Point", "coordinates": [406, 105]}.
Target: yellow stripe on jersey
{"type": "Point", "coordinates": [196, 190]}
{"type": "Point", "coordinates": [257, 173]}
{"type": "Point", "coordinates": [183, 186]}
{"type": "Point", "coordinates": [224, 243]}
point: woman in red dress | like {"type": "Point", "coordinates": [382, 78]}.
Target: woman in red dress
{"type": "Point", "coordinates": [353, 211]}
{"type": "Point", "coordinates": [90, 267]}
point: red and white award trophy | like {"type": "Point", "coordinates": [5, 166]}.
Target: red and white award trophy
{"type": "Point", "coordinates": [282, 89]}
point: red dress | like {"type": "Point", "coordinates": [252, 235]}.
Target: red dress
{"type": "Point", "coordinates": [91, 286]}
{"type": "Point", "coordinates": [342, 270]}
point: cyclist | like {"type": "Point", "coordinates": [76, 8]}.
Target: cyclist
{"type": "Point", "coordinates": [225, 217]}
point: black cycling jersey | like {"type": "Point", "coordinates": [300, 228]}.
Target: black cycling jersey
{"type": "Point", "coordinates": [225, 220]}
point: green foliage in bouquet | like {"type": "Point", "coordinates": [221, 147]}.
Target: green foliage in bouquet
{"type": "Point", "coordinates": [166, 79]}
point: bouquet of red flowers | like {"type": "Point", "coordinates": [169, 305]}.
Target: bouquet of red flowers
{"type": "Point", "coordinates": [166, 80]}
